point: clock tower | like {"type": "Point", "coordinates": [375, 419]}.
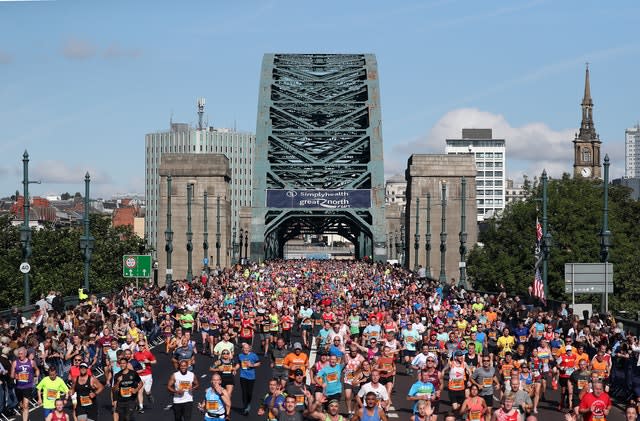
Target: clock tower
{"type": "Point", "coordinates": [586, 145]}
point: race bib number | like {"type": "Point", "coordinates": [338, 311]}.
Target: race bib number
{"type": "Point", "coordinates": [487, 382]}
{"type": "Point", "coordinates": [582, 384]}
{"type": "Point", "coordinates": [184, 386]}
{"type": "Point", "coordinates": [247, 332]}
{"type": "Point", "coordinates": [85, 401]}
{"type": "Point", "coordinates": [299, 399]}
{"type": "Point", "coordinates": [125, 392]}
{"type": "Point", "coordinates": [212, 405]}
{"type": "Point", "coordinates": [475, 415]}
{"type": "Point", "coordinates": [332, 377]}
{"type": "Point", "coordinates": [279, 362]}
{"type": "Point", "coordinates": [456, 384]}
{"type": "Point", "coordinates": [410, 339]}
{"type": "Point", "coordinates": [245, 364]}
{"type": "Point", "coordinates": [52, 394]}
{"type": "Point", "coordinates": [226, 368]}
{"type": "Point", "coordinates": [23, 377]}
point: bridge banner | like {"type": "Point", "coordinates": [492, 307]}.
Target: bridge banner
{"type": "Point", "coordinates": [318, 199]}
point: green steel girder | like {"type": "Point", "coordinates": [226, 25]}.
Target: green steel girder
{"type": "Point", "coordinates": [318, 127]}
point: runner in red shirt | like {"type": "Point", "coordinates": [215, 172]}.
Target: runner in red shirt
{"type": "Point", "coordinates": [146, 359]}
{"type": "Point", "coordinates": [595, 406]}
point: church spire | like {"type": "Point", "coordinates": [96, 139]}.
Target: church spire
{"type": "Point", "coordinates": [587, 129]}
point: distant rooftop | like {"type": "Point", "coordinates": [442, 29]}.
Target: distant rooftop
{"type": "Point", "coordinates": [477, 133]}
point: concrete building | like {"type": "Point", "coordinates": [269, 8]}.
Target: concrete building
{"type": "Point", "coordinates": [490, 159]}
{"type": "Point", "coordinates": [632, 183]}
{"type": "Point", "coordinates": [209, 173]}
{"type": "Point", "coordinates": [427, 176]}
{"type": "Point", "coordinates": [395, 190]}
{"type": "Point", "coordinates": [181, 138]}
{"type": "Point", "coordinates": [513, 192]}
{"type": "Point", "coordinates": [632, 152]}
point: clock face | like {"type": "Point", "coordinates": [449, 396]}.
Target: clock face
{"type": "Point", "coordinates": [585, 172]}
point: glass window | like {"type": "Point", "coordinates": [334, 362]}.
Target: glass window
{"type": "Point", "coordinates": [479, 165]}
{"type": "Point", "coordinates": [498, 193]}
{"type": "Point", "coordinates": [498, 155]}
{"type": "Point", "coordinates": [480, 211]}
{"type": "Point", "coordinates": [489, 165]}
{"type": "Point", "coordinates": [498, 165]}
{"type": "Point", "coordinates": [479, 201]}
{"type": "Point", "coordinates": [498, 173]}
{"type": "Point", "coordinates": [479, 183]}
{"type": "Point", "coordinates": [497, 183]}
{"type": "Point", "coordinates": [489, 155]}
{"type": "Point", "coordinates": [480, 174]}
{"type": "Point", "coordinates": [480, 155]}
{"type": "Point", "coordinates": [586, 155]}
{"type": "Point", "coordinates": [488, 183]}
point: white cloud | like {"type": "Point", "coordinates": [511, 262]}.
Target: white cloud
{"type": "Point", "coordinates": [115, 51]}
{"type": "Point", "coordinates": [59, 172]}
{"type": "Point", "coordinates": [5, 58]}
{"type": "Point", "coordinates": [530, 148]}
{"type": "Point", "coordinates": [78, 49]}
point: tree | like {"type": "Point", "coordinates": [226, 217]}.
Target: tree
{"type": "Point", "coordinates": [57, 262]}
{"type": "Point", "coordinates": [65, 196]}
{"type": "Point", "coordinates": [575, 220]}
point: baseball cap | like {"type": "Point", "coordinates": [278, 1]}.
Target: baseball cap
{"type": "Point", "coordinates": [84, 365]}
{"type": "Point", "coordinates": [568, 348]}
{"type": "Point", "coordinates": [458, 353]}
{"type": "Point", "coordinates": [297, 345]}
{"type": "Point", "coordinates": [298, 372]}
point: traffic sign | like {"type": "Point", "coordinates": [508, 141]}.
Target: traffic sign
{"type": "Point", "coordinates": [25, 267]}
{"type": "Point", "coordinates": [588, 278]}
{"type": "Point", "coordinates": [136, 266]}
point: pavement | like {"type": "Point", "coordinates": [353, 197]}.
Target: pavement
{"type": "Point", "coordinates": [161, 410]}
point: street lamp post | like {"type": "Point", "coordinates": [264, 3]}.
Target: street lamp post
{"type": "Point", "coordinates": [168, 235]}
{"type": "Point", "coordinates": [241, 244]}
{"type": "Point", "coordinates": [416, 244]}
{"type": "Point", "coordinates": [217, 232]}
{"type": "Point", "coordinates": [463, 233]}
{"type": "Point", "coordinates": [205, 242]}
{"type": "Point", "coordinates": [605, 234]}
{"type": "Point", "coordinates": [25, 231]}
{"type": "Point", "coordinates": [189, 232]}
{"type": "Point", "coordinates": [234, 245]}
{"type": "Point", "coordinates": [402, 240]}
{"type": "Point", "coordinates": [397, 245]}
{"type": "Point", "coordinates": [546, 236]}
{"type": "Point", "coordinates": [246, 245]}
{"type": "Point", "coordinates": [427, 236]}
{"type": "Point", "coordinates": [87, 242]}
{"type": "Point", "coordinates": [443, 235]}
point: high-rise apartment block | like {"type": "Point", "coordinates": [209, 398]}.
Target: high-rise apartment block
{"type": "Point", "coordinates": [182, 138]}
{"type": "Point", "coordinates": [490, 158]}
{"type": "Point", "coordinates": [632, 152]}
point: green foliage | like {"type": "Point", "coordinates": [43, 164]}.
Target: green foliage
{"type": "Point", "coordinates": [575, 220]}
{"type": "Point", "coordinates": [56, 262]}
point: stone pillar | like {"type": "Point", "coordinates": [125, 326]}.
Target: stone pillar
{"type": "Point", "coordinates": [207, 172]}
{"type": "Point", "coordinates": [426, 174]}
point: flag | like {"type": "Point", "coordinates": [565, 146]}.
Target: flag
{"type": "Point", "coordinates": [538, 287]}
{"type": "Point", "coordinates": [538, 240]}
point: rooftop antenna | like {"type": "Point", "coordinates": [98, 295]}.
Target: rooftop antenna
{"type": "Point", "coordinates": [234, 125]}
{"type": "Point", "coordinates": [171, 120]}
{"type": "Point", "coordinates": [201, 103]}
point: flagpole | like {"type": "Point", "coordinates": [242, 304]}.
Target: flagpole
{"type": "Point", "coordinates": [546, 238]}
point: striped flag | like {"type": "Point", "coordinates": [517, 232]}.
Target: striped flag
{"type": "Point", "coordinates": [538, 285]}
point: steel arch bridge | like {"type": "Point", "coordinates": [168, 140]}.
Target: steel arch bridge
{"type": "Point", "coordinates": [318, 132]}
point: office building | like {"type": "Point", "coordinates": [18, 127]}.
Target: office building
{"type": "Point", "coordinates": [395, 190]}
{"type": "Point", "coordinates": [632, 152]}
{"type": "Point", "coordinates": [238, 147]}
{"type": "Point", "coordinates": [490, 159]}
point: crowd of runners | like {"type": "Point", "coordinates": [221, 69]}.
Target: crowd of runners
{"type": "Point", "coordinates": [335, 336]}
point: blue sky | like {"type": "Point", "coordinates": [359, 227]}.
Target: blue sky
{"type": "Point", "coordinates": [81, 82]}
